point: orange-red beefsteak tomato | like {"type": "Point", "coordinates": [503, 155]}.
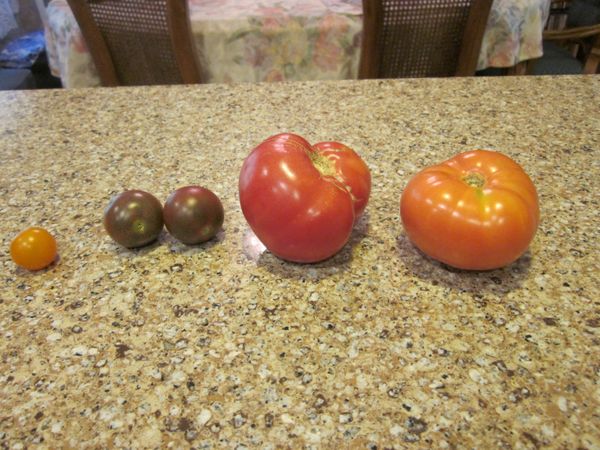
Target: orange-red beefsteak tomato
{"type": "Point", "coordinates": [302, 200]}
{"type": "Point", "coordinates": [478, 210]}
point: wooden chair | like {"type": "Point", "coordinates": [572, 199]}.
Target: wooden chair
{"type": "Point", "coordinates": [561, 48]}
{"type": "Point", "coordinates": [139, 42]}
{"type": "Point", "coordinates": [558, 14]}
{"type": "Point", "coordinates": [422, 38]}
{"type": "Point", "coordinates": [574, 47]}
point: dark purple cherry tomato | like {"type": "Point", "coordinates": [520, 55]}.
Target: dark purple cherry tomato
{"type": "Point", "coordinates": [133, 218]}
{"type": "Point", "coordinates": [193, 214]}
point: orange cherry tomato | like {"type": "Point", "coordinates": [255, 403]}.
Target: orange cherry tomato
{"type": "Point", "coordinates": [33, 249]}
{"type": "Point", "coordinates": [478, 210]}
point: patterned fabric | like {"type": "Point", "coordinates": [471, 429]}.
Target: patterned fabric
{"type": "Point", "coordinates": [238, 40]}
{"type": "Point", "coordinates": [513, 32]}
{"type": "Point", "coordinates": [249, 40]}
{"type": "Point", "coordinates": [22, 52]}
{"type": "Point", "coordinates": [273, 40]}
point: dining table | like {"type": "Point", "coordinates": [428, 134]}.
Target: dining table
{"type": "Point", "coordinates": [293, 40]}
{"type": "Point", "coordinates": [224, 345]}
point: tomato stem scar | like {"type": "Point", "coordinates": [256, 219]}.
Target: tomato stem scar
{"type": "Point", "coordinates": [474, 179]}
{"type": "Point", "coordinates": [326, 168]}
{"type": "Point", "coordinates": [323, 165]}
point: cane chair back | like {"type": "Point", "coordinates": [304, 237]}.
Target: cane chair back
{"type": "Point", "coordinates": [422, 38]}
{"type": "Point", "coordinates": [139, 42]}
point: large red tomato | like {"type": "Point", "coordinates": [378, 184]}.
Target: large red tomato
{"type": "Point", "coordinates": [478, 210]}
{"type": "Point", "coordinates": [300, 200]}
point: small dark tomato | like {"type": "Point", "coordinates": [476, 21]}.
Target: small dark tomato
{"type": "Point", "coordinates": [133, 218]}
{"type": "Point", "coordinates": [193, 214]}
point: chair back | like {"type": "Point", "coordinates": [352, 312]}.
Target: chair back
{"type": "Point", "coordinates": [422, 38]}
{"type": "Point", "coordinates": [139, 42]}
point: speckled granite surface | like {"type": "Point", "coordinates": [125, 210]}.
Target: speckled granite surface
{"type": "Point", "coordinates": [224, 346]}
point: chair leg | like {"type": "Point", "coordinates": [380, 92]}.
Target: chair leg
{"type": "Point", "coordinates": [592, 62]}
{"type": "Point", "coordinates": [593, 59]}
{"type": "Point", "coordinates": [518, 69]}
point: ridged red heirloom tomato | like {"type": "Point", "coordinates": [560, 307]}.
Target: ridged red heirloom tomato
{"type": "Point", "coordinates": [478, 210]}
{"type": "Point", "coordinates": [302, 201]}
{"type": "Point", "coordinates": [33, 249]}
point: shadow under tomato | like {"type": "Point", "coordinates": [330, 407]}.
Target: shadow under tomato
{"type": "Point", "coordinates": [498, 281]}
{"type": "Point", "coordinates": [176, 246]}
{"type": "Point", "coordinates": [139, 251]}
{"type": "Point", "coordinates": [22, 272]}
{"type": "Point", "coordinates": [173, 244]}
{"type": "Point", "coordinates": [255, 251]}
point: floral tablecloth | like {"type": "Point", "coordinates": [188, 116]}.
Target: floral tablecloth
{"type": "Point", "coordinates": [239, 40]}
{"type": "Point", "coordinates": [273, 40]}
{"type": "Point", "coordinates": [513, 33]}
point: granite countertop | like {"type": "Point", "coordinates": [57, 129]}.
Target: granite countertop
{"type": "Point", "coordinates": [224, 346]}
